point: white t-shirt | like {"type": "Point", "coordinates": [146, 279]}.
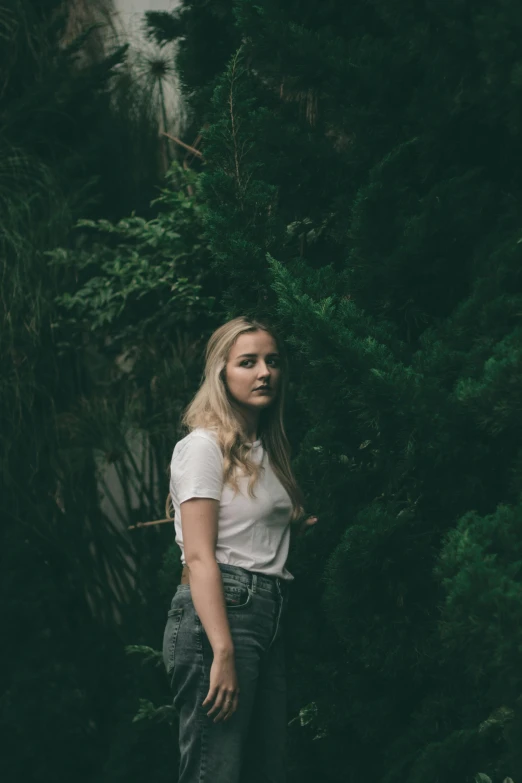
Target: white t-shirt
{"type": "Point", "coordinates": [253, 533]}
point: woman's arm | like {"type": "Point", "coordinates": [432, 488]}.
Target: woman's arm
{"type": "Point", "coordinates": [199, 518]}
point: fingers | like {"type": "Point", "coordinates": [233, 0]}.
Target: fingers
{"type": "Point", "coordinates": [225, 704]}
{"type": "Point", "coordinates": [226, 707]}
{"type": "Point", "coordinates": [306, 525]}
{"type": "Point", "coordinates": [235, 702]}
{"type": "Point", "coordinates": [309, 523]}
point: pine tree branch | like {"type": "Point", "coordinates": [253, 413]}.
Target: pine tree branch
{"type": "Point", "coordinates": [233, 120]}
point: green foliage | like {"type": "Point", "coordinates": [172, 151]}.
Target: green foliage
{"type": "Point", "coordinates": [132, 277]}
{"type": "Point", "coordinates": [362, 191]}
{"type": "Point", "coordinates": [480, 567]}
{"type": "Point", "coordinates": [242, 222]}
{"type": "Point", "coordinates": [148, 711]}
{"type": "Point", "coordinates": [149, 655]}
{"type": "Point", "coordinates": [137, 297]}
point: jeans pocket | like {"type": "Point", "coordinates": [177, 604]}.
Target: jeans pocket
{"type": "Point", "coordinates": [170, 636]}
{"type": "Point", "coordinates": [237, 595]}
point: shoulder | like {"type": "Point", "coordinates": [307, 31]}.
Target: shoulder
{"type": "Point", "coordinates": [196, 468]}
{"type": "Point", "coordinates": [200, 441]}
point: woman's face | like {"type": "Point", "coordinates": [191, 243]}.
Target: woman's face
{"type": "Point", "coordinates": [253, 361]}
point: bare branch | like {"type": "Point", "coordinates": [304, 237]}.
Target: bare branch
{"type": "Point", "coordinates": [182, 143]}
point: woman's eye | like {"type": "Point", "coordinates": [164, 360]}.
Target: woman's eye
{"type": "Point", "coordinates": [247, 361]}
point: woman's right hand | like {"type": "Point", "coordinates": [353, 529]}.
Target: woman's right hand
{"type": "Point", "coordinates": [224, 690]}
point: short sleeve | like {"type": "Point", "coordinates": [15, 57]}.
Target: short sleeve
{"type": "Point", "coordinates": [196, 469]}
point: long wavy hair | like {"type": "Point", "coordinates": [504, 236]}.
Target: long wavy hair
{"type": "Point", "coordinates": [211, 409]}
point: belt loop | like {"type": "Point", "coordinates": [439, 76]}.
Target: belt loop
{"type": "Point", "coordinates": [254, 583]}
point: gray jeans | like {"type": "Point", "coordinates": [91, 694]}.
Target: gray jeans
{"type": "Point", "coordinates": [249, 747]}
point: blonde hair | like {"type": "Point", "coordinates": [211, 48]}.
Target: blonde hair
{"type": "Point", "coordinates": [211, 409]}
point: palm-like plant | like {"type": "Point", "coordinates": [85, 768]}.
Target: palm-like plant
{"type": "Point", "coordinates": [153, 66]}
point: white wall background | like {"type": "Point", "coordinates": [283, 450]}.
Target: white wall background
{"type": "Point", "coordinates": [130, 13]}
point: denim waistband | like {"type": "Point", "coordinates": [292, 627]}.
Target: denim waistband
{"type": "Point", "coordinates": [255, 580]}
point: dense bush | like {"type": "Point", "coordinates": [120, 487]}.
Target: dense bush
{"type": "Point", "coordinates": [361, 186]}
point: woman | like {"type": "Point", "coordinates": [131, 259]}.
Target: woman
{"type": "Point", "coordinates": [234, 498]}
